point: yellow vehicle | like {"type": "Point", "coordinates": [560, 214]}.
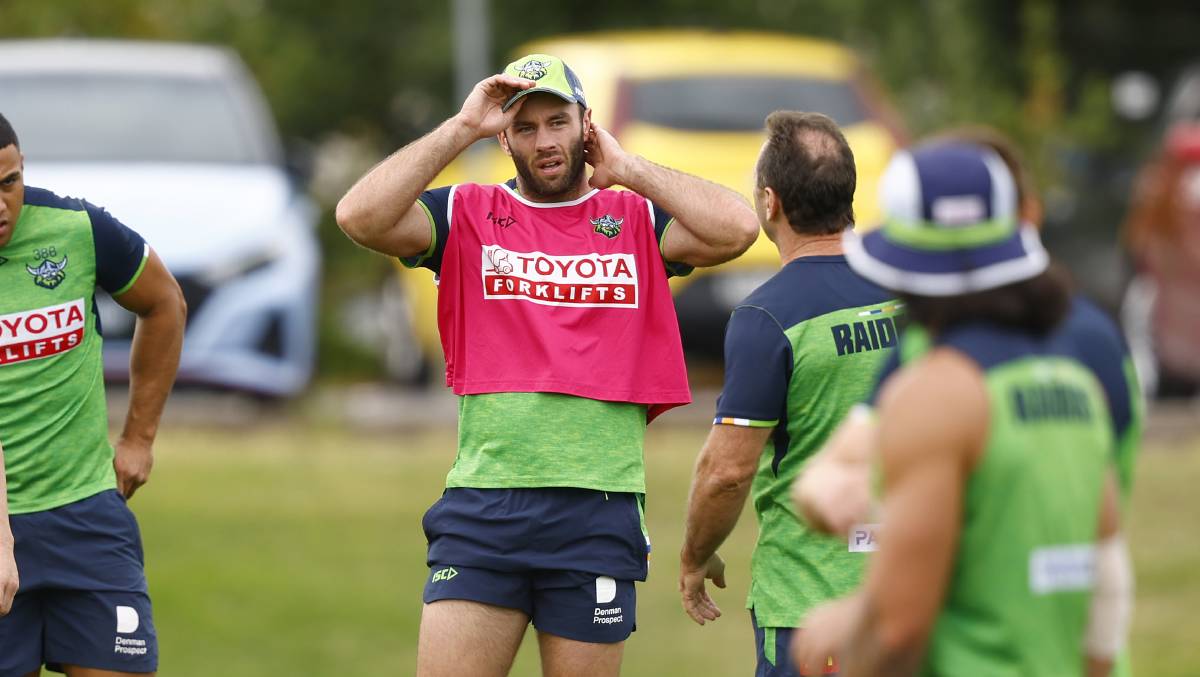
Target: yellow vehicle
{"type": "Point", "coordinates": [695, 101]}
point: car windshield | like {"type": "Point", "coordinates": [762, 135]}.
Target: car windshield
{"type": "Point", "coordinates": [125, 118]}
{"type": "Point", "coordinates": [738, 103]}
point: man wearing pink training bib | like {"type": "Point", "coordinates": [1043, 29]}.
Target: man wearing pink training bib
{"type": "Point", "coordinates": [561, 340]}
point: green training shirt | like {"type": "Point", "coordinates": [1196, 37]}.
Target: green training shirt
{"type": "Point", "coordinates": [528, 440]}
{"type": "Point", "coordinates": [799, 353]}
{"type": "Point", "coordinates": [1018, 598]}
{"type": "Point", "coordinates": [53, 418]}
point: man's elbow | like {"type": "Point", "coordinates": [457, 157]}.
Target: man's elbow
{"type": "Point", "coordinates": [348, 218]}
{"type": "Point", "coordinates": [734, 240]}
{"type": "Point", "coordinates": [731, 480]}
{"type": "Point", "coordinates": [176, 305]}
{"type": "Point", "coordinates": [747, 232]}
{"type": "Point", "coordinates": [743, 232]}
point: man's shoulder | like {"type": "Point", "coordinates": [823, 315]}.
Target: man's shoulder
{"type": "Point", "coordinates": [1088, 322]}
{"type": "Point", "coordinates": [40, 197]}
{"type": "Point", "coordinates": [624, 197]}
{"type": "Point", "coordinates": [811, 287]}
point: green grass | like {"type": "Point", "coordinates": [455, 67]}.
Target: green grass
{"type": "Point", "coordinates": [298, 551]}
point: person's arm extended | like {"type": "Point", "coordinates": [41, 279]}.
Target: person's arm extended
{"type": "Point", "coordinates": [932, 421]}
{"type": "Point", "coordinates": [833, 492]}
{"type": "Point", "coordinates": [1112, 599]}
{"type": "Point", "coordinates": [153, 360]}
{"type": "Point", "coordinates": [380, 211]}
{"type": "Point", "coordinates": [713, 224]}
{"type": "Point", "coordinates": [721, 482]}
{"type": "Point", "coordinates": [9, 582]}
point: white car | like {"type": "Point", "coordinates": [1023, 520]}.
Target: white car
{"type": "Point", "coordinates": [176, 141]}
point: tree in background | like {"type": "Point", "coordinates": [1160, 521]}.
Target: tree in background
{"type": "Point", "coordinates": [363, 77]}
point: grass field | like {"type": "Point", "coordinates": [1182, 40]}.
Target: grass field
{"type": "Point", "coordinates": [287, 550]}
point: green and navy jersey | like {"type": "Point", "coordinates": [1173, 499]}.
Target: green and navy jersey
{"type": "Point", "coordinates": [544, 437]}
{"type": "Point", "coordinates": [53, 418]}
{"type": "Point", "coordinates": [1089, 335]}
{"type": "Point", "coordinates": [1093, 338]}
{"type": "Point", "coordinates": [799, 353]}
{"type": "Point", "coordinates": [1019, 592]}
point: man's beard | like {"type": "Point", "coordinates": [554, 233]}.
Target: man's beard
{"type": "Point", "coordinates": [540, 189]}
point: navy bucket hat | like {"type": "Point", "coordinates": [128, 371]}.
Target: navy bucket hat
{"type": "Point", "coordinates": [951, 225]}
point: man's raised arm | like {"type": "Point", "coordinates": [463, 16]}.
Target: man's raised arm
{"type": "Point", "coordinates": [380, 211]}
{"type": "Point", "coordinates": [713, 224]}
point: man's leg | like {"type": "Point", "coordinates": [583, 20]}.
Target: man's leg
{"type": "Point", "coordinates": [582, 621]}
{"type": "Point", "coordinates": [97, 610]}
{"type": "Point", "coordinates": [76, 671]}
{"type": "Point", "coordinates": [562, 657]}
{"type": "Point", "coordinates": [21, 636]}
{"type": "Point", "coordinates": [459, 637]}
{"type": "Point", "coordinates": [35, 673]}
{"type": "Point", "coordinates": [772, 648]}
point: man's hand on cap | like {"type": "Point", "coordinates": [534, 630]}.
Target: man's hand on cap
{"type": "Point", "coordinates": [483, 109]}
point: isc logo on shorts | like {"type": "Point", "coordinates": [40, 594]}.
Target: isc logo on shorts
{"type": "Point", "coordinates": [444, 574]}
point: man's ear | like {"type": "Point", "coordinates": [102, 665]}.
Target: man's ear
{"type": "Point", "coordinates": [504, 143]}
{"type": "Point", "coordinates": [770, 203]}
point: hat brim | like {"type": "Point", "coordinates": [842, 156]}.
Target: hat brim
{"type": "Point", "coordinates": [948, 272]}
{"type": "Point", "coordinates": [533, 90]}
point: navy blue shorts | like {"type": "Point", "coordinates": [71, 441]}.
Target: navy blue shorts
{"type": "Point", "coordinates": [567, 558]}
{"type": "Point", "coordinates": [772, 649]}
{"type": "Point", "coordinates": [83, 598]}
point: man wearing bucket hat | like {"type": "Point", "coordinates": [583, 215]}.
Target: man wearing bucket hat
{"type": "Point", "coordinates": [833, 492]}
{"type": "Point", "coordinates": [560, 336]}
{"type": "Point", "coordinates": [995, 448]}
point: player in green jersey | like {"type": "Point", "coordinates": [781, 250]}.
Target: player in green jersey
{"type": "Point", "coordinates": [799, 352]}
{"type": "Point", "coordinates": [83, 607]}
{"type": "Point", "coordinates": [1001, 553]}
{"type": "Point", "coordinates": [833, 493]}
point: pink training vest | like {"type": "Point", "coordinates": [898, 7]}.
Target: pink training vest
{"type": "Point", "coordinates": [568, 297]}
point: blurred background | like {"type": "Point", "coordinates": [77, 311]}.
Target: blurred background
{"type": "Point", "coordinates": [310, 430]}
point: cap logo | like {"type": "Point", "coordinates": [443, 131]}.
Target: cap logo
{"type": "Point", "coordinates": [958, 210]}
{"type": "Point", "coordinates": [533, 69]}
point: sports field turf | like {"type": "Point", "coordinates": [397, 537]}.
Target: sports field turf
{"type": "Point", "coordinates": [288, 550]}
